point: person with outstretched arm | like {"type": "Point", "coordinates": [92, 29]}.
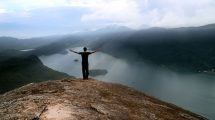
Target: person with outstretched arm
{"type": "Point", "coordinates": [85, 64]}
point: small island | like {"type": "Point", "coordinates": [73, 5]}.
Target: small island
{"type": "Point", "coordinates": [98, 72]}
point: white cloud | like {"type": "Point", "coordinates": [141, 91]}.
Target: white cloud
{"type": "Point", "coordinates": [25, 5]}
{"type": "Point", "coordinates": [172, 13]}
{"type": "Point", "coordinates": [90, 14]}
{"type": "Point", "coordinates": [3, 11]}
{"type": "Point", "coordinates": [124, 12]}
{"type": "Point", "coordinates": [135, 13]}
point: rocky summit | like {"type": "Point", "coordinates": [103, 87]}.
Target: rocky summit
{"type": "Point", "coordinates": [76, 99]}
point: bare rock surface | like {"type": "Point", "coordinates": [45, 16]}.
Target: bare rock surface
{"type": "Point", "coordinates": [75, 99]}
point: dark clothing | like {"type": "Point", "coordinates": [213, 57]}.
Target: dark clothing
{"type": "Point", "coordinates": [85, 64]}
{"type": "Point", "coordinates": [85, 70]}
{"type": "Point", "coordinates": [84, 56]}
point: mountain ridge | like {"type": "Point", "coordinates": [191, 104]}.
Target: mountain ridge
{"type": "Point", "coordinates": [73, 99]}
{"type": "Point", "coordinates": [21, 70]}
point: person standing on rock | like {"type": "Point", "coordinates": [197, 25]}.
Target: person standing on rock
{"type": "Point", "coordinates": [85, 64]}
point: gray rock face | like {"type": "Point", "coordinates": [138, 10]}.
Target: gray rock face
{"type": "Point", "coordinates": [75, 99]}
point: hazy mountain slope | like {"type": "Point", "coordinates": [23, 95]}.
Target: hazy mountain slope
{"type": "Point", "coordinates": [190, 49]}
{"type": "Point", "coordinates": [74, 99]}
{"type": "Point", "coordinates": [186, 48]}
{"type": "Point", "coordinates": [182, 49]}
{"type": "Point", "coordinates": [80, 39]}
{"type": "Point", "coordinates": [7, 54]}
{"type": "Point", "coordinates": [19, 44]}
{"type": "Point", "coordinates": [11, 43]}
{"type": "Point", "coordinates": [19, 71]}
{"type": "Point", "coordinates": [58, 46]}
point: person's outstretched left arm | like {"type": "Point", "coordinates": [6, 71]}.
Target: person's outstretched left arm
{"type": "Point", "coordinates": [74, 51]}
{"type": "Point", "coordinates": [95, 51]}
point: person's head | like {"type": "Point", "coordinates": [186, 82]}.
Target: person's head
{"type": "Point", "coordinates": [85, 49]}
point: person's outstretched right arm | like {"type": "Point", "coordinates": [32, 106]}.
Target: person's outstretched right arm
{"type": "Point", "coordinates": [94, 51]}
{"type": "Point", "coordinates": [74, 51]}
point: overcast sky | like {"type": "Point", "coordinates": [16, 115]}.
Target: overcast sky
{"type": "Point", "coordinates": [26, 18]}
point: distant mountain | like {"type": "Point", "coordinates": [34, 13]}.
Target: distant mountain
{"type": "Point", "coordinates": [183, 49]}
{"type": "Point", "coordinates": [19, 44]}
{"type": "Point", "coordinates": [18, 71]}
{"type": "Point", "coordinates": [189, 49]}
{"type": "Point", "coordinates": [54, 44]}
{"type": "Point", "coordinates": [11, 43]}
{"type": "Point", "coordinates": [104, 30]}
{"type": "Point", "coordinates": [81, 39]}
{"type": "Point", "coordinates": [58, 46]}
{"type": "Point", "coordinates": [113, 29]}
